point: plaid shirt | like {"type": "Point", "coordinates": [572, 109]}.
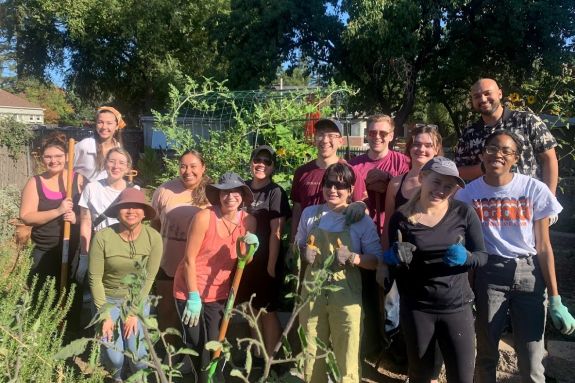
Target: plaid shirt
{"type": "Point", "coordinates": [533, 133]}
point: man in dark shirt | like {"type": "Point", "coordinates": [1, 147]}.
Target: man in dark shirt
{"type": "Point", "coordinates": [538, 158]}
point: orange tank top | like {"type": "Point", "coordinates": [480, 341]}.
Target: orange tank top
{"type": "Point", "coordinates": [215, 263]}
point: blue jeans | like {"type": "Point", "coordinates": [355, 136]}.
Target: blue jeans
{"type": "Point", "coordinates": [514, 285]}
{"type": "Point", "coordinates": [113, 353]}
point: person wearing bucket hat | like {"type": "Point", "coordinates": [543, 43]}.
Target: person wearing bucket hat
{"type": "Point", "coordinates": [90, 153]}
{"type": "Point", "coordinates": [117, 251]}
{"type": "Point", "coordinates": [203, 278]}
{"type": "Point", "coordinates": [264, 276]}
{"type": "Point", "coordinates": [514, 210]}
{"type": "Point", "coordinates": [434, 241]}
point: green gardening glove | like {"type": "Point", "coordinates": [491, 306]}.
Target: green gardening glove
{"type": "Point", "coordinates": [560, 316]}
{"type": "Point", "coordinates": [246, 246]}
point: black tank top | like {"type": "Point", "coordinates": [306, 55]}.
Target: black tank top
{"type": "Point", "coordinates": [49, 235]}
{"type": "Point", "coordinates": [399, 198]}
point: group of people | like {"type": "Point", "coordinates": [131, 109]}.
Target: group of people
{"type": "Point", "coordinates": [403, 229]}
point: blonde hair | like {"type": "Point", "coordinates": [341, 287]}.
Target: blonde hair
{"type": "Point", "coordinates": [380, 118]}
{"type": "Point", "coordinates": [409, 209]}
{"type": "Point", "coordinates": [123, 152]}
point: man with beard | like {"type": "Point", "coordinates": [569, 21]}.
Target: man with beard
{"type": "Point", "coordinates": [538, 158]}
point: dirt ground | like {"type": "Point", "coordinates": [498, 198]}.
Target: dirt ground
{"type": "Point", "coordinates": [564, 249]}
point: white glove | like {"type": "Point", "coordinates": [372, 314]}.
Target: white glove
{"type": "Point", "coordinates": [82, 268]}
{"type": "Point", "coordinates": [553, 219]}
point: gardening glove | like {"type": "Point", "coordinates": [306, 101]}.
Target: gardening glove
{"type": "Point", "coordinates": [560, 316]}
{"type": "Point", "coordinates": [383, 276]}
{"type": "Point", "coordinates": [553, 219]}
{"type": "Point", "coordinates": [456, 254]}
{"type": "Point", "coordinates": [354, 212]}
{"type": "Point", "coordinates": [191, 315]}
{"type": "Point", "coordinates": [82, 268]}
{"type": "Point", "coordinates": [400, 253]}
{"type": "Point", "coordinates": [246, 246]}
{"type": "Point", "coordinates": [311, 250]}
{"type": "Point", "coordinates": [344, 255]}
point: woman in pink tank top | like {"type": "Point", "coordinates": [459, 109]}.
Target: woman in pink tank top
{"type": "Point", "coordinates": [203, 278]}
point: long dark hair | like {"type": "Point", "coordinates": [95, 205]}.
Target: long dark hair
{"type": "Point", "coordinates": [199, 192]}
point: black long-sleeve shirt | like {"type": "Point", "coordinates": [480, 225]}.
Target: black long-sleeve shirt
{"type": "Point", "coordinates": [428, 284]}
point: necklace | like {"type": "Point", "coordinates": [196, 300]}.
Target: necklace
{"type": "Point", "coordinates": [230, 228]}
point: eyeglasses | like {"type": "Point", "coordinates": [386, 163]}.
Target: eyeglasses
{"type": "Point", "coordinates": [492, 149]}
{"type": "Point", "coordinates": [265, 161]}
{"type": "Point", "coordinates": [56, 157]}
{"type": "Point", "coordinates": [330, 136]}
{"type": "Point", "coordinates": [328, 184]}
{"type": "Point", "coordinates": [381, 133]}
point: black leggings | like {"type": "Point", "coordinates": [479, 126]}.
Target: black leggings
{"type": "Point", "coordinates": [196, 337]}
{"type": "Point", "coordinates": [453, 332]}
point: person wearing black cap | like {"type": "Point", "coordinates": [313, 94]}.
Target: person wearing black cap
{"type": "Point", "coordinates": [203, 278]}
{"type": "Point", "coordinates": [443, 240]}
{"type": "Point", "coordinates": [116, 252]}
{"type": "Point", "coordinates": [263, 277]}
{"type": "Point", "coordinates": [306, 184]}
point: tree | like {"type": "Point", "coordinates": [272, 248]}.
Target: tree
{"type": "Point", "coordinates": [259, 36]}
{"type": "Point", "coordinates": [390, 49]}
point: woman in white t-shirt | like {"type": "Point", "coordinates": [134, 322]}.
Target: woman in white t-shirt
{"type": "Point", "coordinates": [90, 153]}
{"type": "Point", "coordinates": [95, 200]}
{"type": "Point", "coordinates": [514, 211]}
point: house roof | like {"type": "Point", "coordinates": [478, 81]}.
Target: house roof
{"type": "Point", "coordinates": [9, 100]}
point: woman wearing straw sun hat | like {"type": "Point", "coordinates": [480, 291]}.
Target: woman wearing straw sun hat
{"type": "Point", "coordinates": [125, 248]}
{"type": "Point", "coordinates": [203, 278]}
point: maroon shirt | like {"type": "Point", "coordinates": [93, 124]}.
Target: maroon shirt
{"type": "Point", "coordinates": [394, 163]}
{"type": "Point", "coordinates": [306, 185]}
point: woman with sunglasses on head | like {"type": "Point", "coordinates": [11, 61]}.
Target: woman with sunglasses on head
{"type": "Point", "coordinates": [335, 317]}
{"type": "Point", "coordinates": [96, 198]}
{"type": "Point", "coordinates": [514, 211]}
{"type": "Point", "coordinates": [203, 278]}
{"type": "Point", "coordinates": [90, 153]}
{"type": "Point", "coordinates": [125, 248]}
{"type": "Point", "coordinates": [263, 278]}
{"type": "Point", "coordinates": [435, 241]}
{"type": "Point", "coordinates": [44, 206]}
{"type": "Point", "coordinates": [423, 144]}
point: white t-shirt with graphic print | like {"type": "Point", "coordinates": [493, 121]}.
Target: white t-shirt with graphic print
{"type": "Point", "coordinates": [507, 213]}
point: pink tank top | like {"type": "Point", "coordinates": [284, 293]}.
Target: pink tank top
{"type": "Point", "coordinates": [215, 263]}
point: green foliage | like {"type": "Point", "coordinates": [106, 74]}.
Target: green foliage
{"type": "Point", "coordinates": [149, 167]}
{"type": "Point", "coordinates": [14, 136]}
{"type": "Point", "coordinates": [9, 210]}
{"type": "Point", "coordinates": [276, 119]}
{"type": "Point", "coordinates": [31, 324]}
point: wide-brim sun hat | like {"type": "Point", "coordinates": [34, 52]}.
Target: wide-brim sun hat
{"type": "Point", "coordinates": [446, 167]}
{"type": "Point", "coordinates": [229, 181]}
{"type": "Point", "coordinates": [131, 196]}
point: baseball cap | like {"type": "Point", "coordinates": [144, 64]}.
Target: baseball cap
{"type": "Point", "coordinates": [329, 124]}
{"type": "Point", "coordinates": [444, 166]}
{"type": "Point", "coordinates": [264, 148]}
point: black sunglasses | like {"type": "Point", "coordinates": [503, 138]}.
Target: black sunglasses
{"type": "Point", "coordinates": [265, 161]}
{"type": "Point", "coordinates": [328, 184]}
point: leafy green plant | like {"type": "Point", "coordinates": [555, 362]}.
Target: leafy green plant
{"type": "Point", "coordinates": [14, 136]}
{"type": "Point", "coordinates": [9, 210]}
{"type": "Point", "coordinates": [149, 166]}
{"type": "Point", "coordinates": [275, 119]}
{"type": "Point", "coordinates": [31, 324]}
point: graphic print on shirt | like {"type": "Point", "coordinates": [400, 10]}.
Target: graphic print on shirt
{"type": "Point", "coordinates": [503, 211]}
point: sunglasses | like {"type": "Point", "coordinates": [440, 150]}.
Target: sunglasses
{"type": "Point", "coordinates": [429, 126]}
{"type": "Point", "coordinates": [265, 161]}
{"type": "Point", "coordinates": [328, 184]}
{"type": "Point", "coordinates": [381, 133]}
